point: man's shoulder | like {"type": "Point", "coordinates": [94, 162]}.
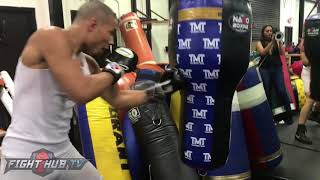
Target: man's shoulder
{"type": "Point", "coordinates": [49, 36]}
{"type": "Point", "coordinates": [51, 30]}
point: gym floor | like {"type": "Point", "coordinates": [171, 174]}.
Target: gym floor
{"type": "Point", "coordinates": [300, 161]}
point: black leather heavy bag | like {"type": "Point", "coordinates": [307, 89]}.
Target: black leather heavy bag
{"type": "Point", "coordinates": [157, 134]}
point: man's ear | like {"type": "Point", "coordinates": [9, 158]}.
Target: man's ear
{"type": "Point", "coordinates": [92, 24]}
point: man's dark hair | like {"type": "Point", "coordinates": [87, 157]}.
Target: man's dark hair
{"type": "Point", "coordinates": [94, 8]}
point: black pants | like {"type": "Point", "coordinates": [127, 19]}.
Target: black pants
{"type": "Point", "coordinates": [273, 77]}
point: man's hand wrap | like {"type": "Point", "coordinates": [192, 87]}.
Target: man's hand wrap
{"type": "Point", "coordinates": [115, 69]}
{"type": "Point", "coordinates": [175, 77]}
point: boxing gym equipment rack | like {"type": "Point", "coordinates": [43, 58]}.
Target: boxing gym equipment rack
{"type": "Point", "coordinates": [146, 19]}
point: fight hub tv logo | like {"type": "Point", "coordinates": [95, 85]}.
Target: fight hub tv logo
{"type": "Point", "coordinates": [43, 163]}
{"type": "Point", "coordinates": [239, 22]}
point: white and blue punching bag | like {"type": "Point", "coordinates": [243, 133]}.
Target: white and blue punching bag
{"type": "Point", "coordinates": [213, 47]}
{"type": "Point", "coordinates": [237, 165]}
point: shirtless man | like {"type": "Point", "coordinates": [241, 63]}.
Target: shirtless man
{"type": "Point", "coordinates": [53, 75]}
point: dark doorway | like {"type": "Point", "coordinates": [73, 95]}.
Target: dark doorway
{"type": "Point", "coordinates": [56, 13]}
{"type": "Point", "coordinates": [73, 14]}
{"type": "Point", "coordinates": [16, 25]}
{"type": "Point", "coordinates": [288, 35]}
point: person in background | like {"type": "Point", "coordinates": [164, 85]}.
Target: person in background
{"type": "Point", "coordinates": [295, 63]}
{"type": "Point", "coordinates": [297, 47]}
{"type": "Point", "coordinates": [296, 68]}
{"type": "Point", "coordinates": [271, 68]}
{"type": "Point", "coordinates": [290, 48]}
{"type": "Point", "coordinates": [307, 107]}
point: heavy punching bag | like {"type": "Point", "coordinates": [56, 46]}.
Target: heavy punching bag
{"type": "Point", "coordinates": [99, 120]}
{"type": "Point", "coordinates": [298, 90]}
{"type": "Point", "coordinates": [135, 39]}
{"type": "Point", "coordinates": [153, 126]}
{"type": "Point", "coordinates": [237, 166]}
{"type": "Point", "coordinates": [213, 43]}
{"type": "Point", "coordinates": [261, 135]}
{"type": "Point", "coordinates": [157, 134]}
{"type": "Point", "coordinates": [287, 83]}
{"type": "Point", "coordinates": [311, 46]}
{"type": "Point", "coordinates": [138, 167]}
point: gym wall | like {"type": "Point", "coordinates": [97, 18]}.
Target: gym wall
{"type": "Point", "coordinates": [41, 9]}
{"type": "Point", "coordinates": [159, 32]}
{"type": "Point", "coordinates": [68, 5]}
{"type": "Point", "coordinates": [289, 17]}
{"type": "Point", "coordinates": [264, 12]}
{"type": "Point", "coordinates": [119, 9]}
{"type": "Point", "coordinates": [307, 8]}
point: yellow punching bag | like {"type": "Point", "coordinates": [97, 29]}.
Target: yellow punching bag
{"type": "Point", "coordinates": [175, 107]}
{"type": "Point", "coordinates": [102, 139]}
{"type": "Point", "coordinates": [298, 86]}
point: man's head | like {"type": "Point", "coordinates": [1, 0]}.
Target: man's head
{"type": "Point", "coordinates": [99, 22]}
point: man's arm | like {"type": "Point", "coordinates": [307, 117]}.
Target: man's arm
{"type": "Point", "coordinates": [65, 70]}
{"type": "Point", "coordinates": [124, 99]}
{"type": "Point", "coordinates": [305, 60]}
{"type": "Point", "coordinates": [119, 99]}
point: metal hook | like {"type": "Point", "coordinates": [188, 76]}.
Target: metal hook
{"type": "Point", "coordinates": [202, 173]}
{"type": "Point", "coordinates": [157, 123]}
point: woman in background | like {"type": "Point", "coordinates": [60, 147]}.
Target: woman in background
{"type": "Point", "coordinates": [271, 68]}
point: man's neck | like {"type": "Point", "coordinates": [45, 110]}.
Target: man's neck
{"type": "Point", "coordinates": [75, 34]}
